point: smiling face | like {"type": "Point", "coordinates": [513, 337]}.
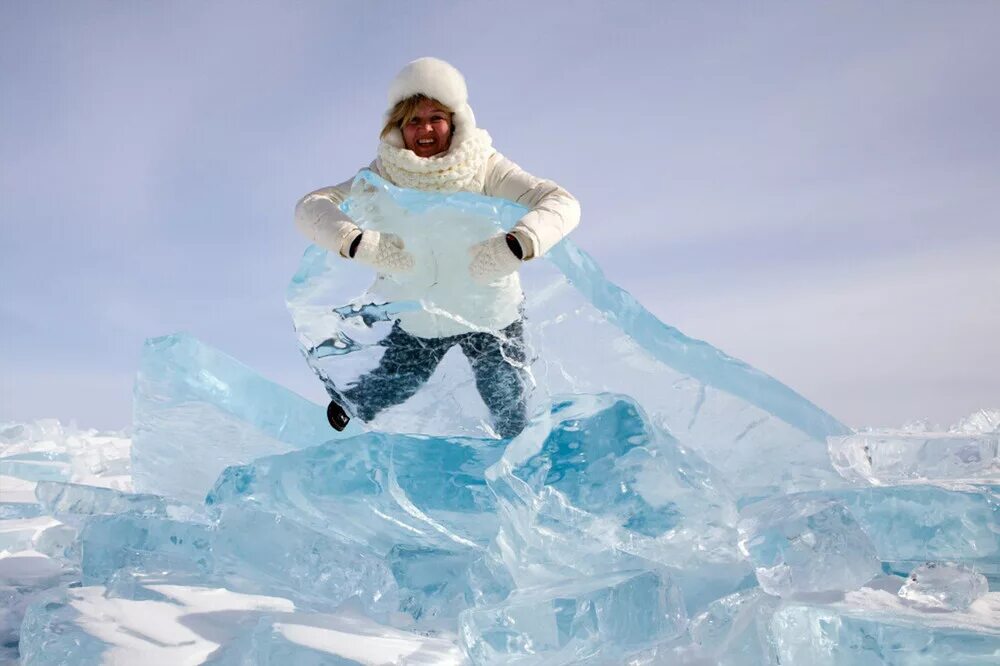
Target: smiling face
{"type": "Point", "coordinates": [428, 130]}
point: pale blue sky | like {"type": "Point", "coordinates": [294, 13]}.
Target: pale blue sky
{"type": "Point", "coordinates": [813, 187]}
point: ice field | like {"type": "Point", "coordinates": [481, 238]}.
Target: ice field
{"type": "Point", "coordinates": [667, 504]}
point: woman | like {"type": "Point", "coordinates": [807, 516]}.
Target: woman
{"type": "Point", "coordinates": [430, 142]}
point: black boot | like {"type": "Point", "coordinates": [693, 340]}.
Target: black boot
{"type": "Point", "coordinates": [336, 415]}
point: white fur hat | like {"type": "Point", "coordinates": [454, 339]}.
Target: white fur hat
{"type": "Point", "coordinates": [438, 80]}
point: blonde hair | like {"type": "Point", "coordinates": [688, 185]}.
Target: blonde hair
{"type": "Point", "coordinates": [405, 109]}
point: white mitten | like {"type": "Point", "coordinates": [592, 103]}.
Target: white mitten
{"type": "Point", "coordinates": [384, 252]}
{"type": "Point", "coordinates": [492, 259]}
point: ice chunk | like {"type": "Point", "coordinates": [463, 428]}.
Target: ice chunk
{"type": "Point", "coordinates": [49, 637]}
{"type": "Point", "coordinates": [890, 457]}
{"type": "Point", "coordinates": [264, 553]}
{"type": "Point", "coordinates": [47, 450]}
{"type": "Point", "coordinates": [586, 335]}
{"type": "Point", "coordinates": [196, 404]}
{"type": "Point", "coordinates": [910, 525]}
{"type": "Point", "coordinates": [436, 585]}
{"type": "Point", "coordinates": [25, 577]}
{"type": "Point", "coordinates": [983, 422]}
{"type": "Point", "coordinates": [802, 545]}
{"type": "Point", "coordinates": [420, 502]}
{"type": "Point", "coordinates": [247, 551]}
{"type": "Point", "coordinates": [36, 466]}
{"type": "Point", "coordinates": [594, 487]}
{"type": "Point", "coordinates": [377, 489]}
{"type": "Point", "coordinates": [944, 585]}
{"type": "Point", "coordinates": [876, 627]}
{"type": "Point", "coordinates": [598, 619]}
{"type": "Point", "coordinates": [734, 630]}
{"type": "Point", "coordinates": [144, 544]}
{"type": "Point", "coordinates": [80, 500]}
{"type": "Point", "coordinates": [14, 510]}
{"type": "Point", "coordinates": [605, 457]}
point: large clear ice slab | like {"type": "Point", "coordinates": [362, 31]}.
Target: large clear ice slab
{"type": "Point", "coordinates": [968, 452]}
{"type": "Point", "coordinates": [804, 545]}
{"type": "Point", "coordinates": [377, 489]}
{"type": "Point", "coordinates": [419, 503]}
{"type": "Point", "coordinates": [198, 405]}
{"type": "Point", "coordinates": [734, 630]}
{"type": "Point", "coordinates": [586, 336]}
{"type": "Point", "coordinates": [910, 525]}
{"type": "Point", "coordinates": [588, 620]}
{"type": "Point", "coordinates": [69, 500]}
{"type": "Point", "coordinates": [247, 551]}
{"type": "Point", "coordinates": [913, 524]}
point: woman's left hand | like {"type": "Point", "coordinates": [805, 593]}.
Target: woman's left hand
{"type": "Point", "coordinates": [492, 259]}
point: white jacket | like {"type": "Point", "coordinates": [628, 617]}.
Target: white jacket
{"type": "Point", "coordinates": [553, 213]}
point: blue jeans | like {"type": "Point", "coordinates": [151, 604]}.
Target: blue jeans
{"type": "Point", "coordinates": [498, 364]}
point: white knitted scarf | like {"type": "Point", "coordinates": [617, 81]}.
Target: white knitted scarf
{"type": "Point", "coordinates": [456, 170]}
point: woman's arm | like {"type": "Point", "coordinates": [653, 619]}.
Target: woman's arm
{"type": "Point", "coordinates": [553, 213]}
{"type": "Point", "coordinates": [319, 218]}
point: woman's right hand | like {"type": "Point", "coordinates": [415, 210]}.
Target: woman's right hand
{"type": "Point", "coordinates": [382, 251]}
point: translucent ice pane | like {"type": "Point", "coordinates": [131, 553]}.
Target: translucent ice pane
{"type": "Point", "coordinates": [41, 466]}
{"type": "Point", "coordinates": [734, 630]}
{"type": "Point", "coordinates": [247, 551]}
{"type": "Point", "coordinates": [81, 500]}
{"type": "Point", "coordinates": [377, 489]}
{"type": "Point", "coordinates": [50, 636]}
{"type": "Point", "coordinates": [801, 545]}
{"type": "Point", "coordinates": [145, 544]}
{"type": "Point", "coordinates": [587, 336]}
{"type": "Point", "coordinates": [910, 525]}
{"type": "Point", "coordinates": [264, 553]}
{"type": "Point", "coordinates": [436, 585]}
{"type": "Point", "coordinates": [889, 457]}
{"type": "Point", "coordinates": [597, 618]}
{"type": "Point", "coordinates": [198, 405]}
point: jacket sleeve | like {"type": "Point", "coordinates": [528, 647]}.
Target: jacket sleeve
{"type": "Point", "coordinates": [553, 213]}
{"type": "Point", "coordinates": [319, 218]}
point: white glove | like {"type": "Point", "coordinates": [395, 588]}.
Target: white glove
{"type": "Point", "coordinates": [384, 252]}
{"type": "Point", "coordinates": [492, 259]}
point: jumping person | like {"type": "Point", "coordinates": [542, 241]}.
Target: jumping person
{"type": "Point", "coordinates": [430, 142]}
